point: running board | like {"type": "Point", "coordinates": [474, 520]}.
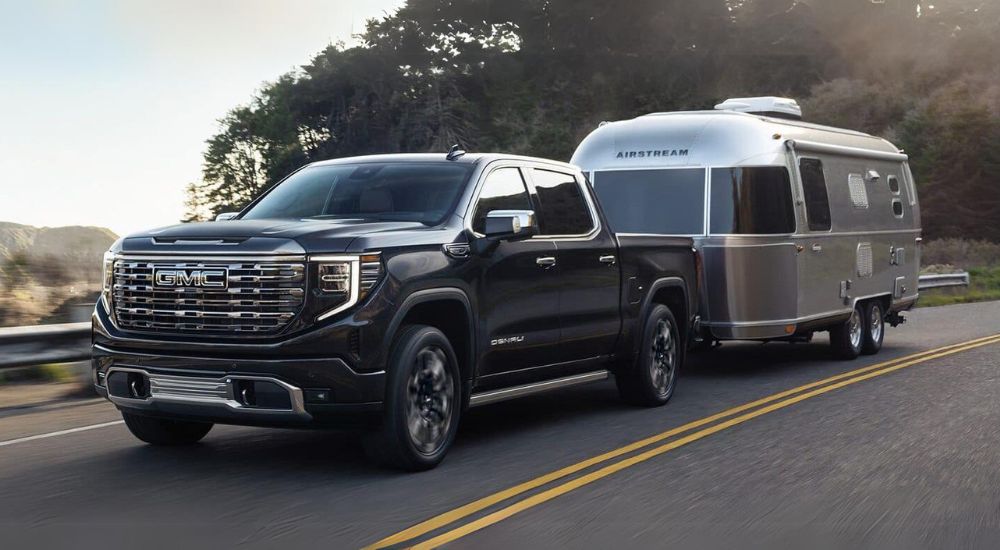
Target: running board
{"type": "Point", "coordinates": [504, 394]}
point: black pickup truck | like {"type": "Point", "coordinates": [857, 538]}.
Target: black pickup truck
{"type": "Point", "coordinates": [389, 292]}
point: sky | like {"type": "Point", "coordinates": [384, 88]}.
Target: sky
{"type": "Point", "coordinates": [105, 106]}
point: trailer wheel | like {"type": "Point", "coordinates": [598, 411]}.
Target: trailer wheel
{"type": "Point", "coordinates": [650, 380]}
{"type": "Point", "coordinates": [874, 328]}
{"type": "Point", "coordinates": [423, 397]}
{"type": "Point", "coordinates": [846, 339]}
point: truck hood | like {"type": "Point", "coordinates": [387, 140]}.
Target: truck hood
{"type": "Point", "coordinates": [281, 236]}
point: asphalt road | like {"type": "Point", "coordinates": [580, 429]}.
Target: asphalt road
{"type": "Point", "coordinates": [904, 455]}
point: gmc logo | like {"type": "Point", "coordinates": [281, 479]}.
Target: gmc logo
{"type": "Point", "coordinates": [203, 278]}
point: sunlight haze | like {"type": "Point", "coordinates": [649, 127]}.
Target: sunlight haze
{"type": "Point", "coordinates": [105, 106]}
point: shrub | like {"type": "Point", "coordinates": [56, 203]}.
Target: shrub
{"type": "Point", "coordinates": [963, 254]}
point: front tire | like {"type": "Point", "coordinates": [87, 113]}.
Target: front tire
{"type": "Point", "coordinates": [846, 339]}
{"type": "Point", "coordinates": [874, 328]}
{"type": "Point", "coordinates": [423, 402]}
{"type": "Point", "coordinates": [652, 377]}
{"type": "Point", "coordinates": [165, 432]}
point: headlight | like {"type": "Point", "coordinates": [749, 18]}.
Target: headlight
{"type": "Point", "coordinates": [349, 278]}
{"type": "Point", "coordinates": [335, 278]}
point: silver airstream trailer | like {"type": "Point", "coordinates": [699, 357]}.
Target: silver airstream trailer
{"type": "Point", "coordinates": [800, 227]}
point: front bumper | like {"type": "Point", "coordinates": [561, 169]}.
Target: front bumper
{"type": "Point", "coordinates": [311, 391]}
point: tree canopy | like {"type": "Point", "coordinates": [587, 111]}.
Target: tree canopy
{"type": "Point", "coordinates": [535, 76]}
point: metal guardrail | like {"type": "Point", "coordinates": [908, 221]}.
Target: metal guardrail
{"type": "Point", "coordinates": [44, 344]}
{"type": "Point", "coordinates": [941, 281]}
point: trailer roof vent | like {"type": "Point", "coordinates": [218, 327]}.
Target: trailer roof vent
{"type": "Point", "coordinates": [778, 107]}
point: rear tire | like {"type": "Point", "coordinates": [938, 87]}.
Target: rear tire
{"type": "Point", "coordinates": [165, 432]}
{"type": "Point", "coordinates": [651, 378]}
{"type": "Point", "coordinates": [423, 402]}
{"type": "Point", "coordinates": [874, 327]}
{"type": "Point", "coordinates": [846, 339]}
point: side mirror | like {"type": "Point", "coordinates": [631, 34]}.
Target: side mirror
{"type": "Point", "coordinates": [226, 216]}
{"type": "Point", "coordinates": [511, 225]}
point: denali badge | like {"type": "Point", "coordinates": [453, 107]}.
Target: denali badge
{"type": "Point", "coordinates": [507, 340]}
{"type": "Point", "coordinates": [203, 278]}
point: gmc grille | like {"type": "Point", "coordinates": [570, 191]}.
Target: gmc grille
{"type": "Point", "coordinates": [241, 297]}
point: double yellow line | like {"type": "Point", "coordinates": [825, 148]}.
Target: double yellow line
{"type": "Point", "coordinates": [728, 418]}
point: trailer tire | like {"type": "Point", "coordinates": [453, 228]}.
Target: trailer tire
{"type": "Point", "coordinates": [874, 327]}
{"type": "Point", "coordinates": [651, 378]}
{"type": "Point", "coordinates": [846, 339]}
{"type": "Point", "coordinates": [423, 401]}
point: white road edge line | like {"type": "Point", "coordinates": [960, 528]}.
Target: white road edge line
{"type": "Point", "coordinates": [60, 432]}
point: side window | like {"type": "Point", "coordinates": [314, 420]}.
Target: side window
{"type": "Point", "coordinates": [814, 188]}
{"type": "Point", "coordinates": [504, 190]}
{"type": "Point", "coordinates": [751, 201]}
{"type": "Point", "coordinates": [894, 185]}
{"type": "Point", "coordinates": [563, 208]}
{"type": "Point", "coordinates": [897, 208]}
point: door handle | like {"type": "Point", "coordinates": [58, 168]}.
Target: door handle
{"type": "Point", "coordinates": [610, 260]}
{"type": "Point", "coordinates": [545, 261]}
{"type": "Point", "coordinates": [817, 248]}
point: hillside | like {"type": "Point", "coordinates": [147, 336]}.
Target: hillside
{"type": "Point", "coordinates": [47, 272]}
{"type": "Point", "coordinates": [74, 246]}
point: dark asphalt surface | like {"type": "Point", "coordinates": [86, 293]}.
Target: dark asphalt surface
{"type": "Point", "coordinates": [910, 460]}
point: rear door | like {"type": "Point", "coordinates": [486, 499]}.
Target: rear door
{"type": "Point", "coordinates": [519, 289]}
{"type": "Point", "coordinates": [589, 315]}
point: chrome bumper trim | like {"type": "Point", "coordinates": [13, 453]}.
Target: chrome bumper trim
{"type": "Point", "coordinates": [208, 393]}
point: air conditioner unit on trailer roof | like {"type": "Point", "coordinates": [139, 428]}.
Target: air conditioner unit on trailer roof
{"type": "Point", "coordinates": [779, 107]}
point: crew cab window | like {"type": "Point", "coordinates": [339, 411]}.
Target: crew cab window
{"type": "Point", "coordinates": [424, 192]}
{"type": "Point", "coordinates": [656, 202]}
{"type": "Point", "coordinates": [751, 201]}
{"type": "Point", "coordinates": [814, 187]}
{"type": "Point", "coordinates": [504, 190]}
{"type": "Point", "coordinates": [562, 207]}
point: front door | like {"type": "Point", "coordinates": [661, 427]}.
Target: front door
{"type": "Point", "coordinates": [519, 288]}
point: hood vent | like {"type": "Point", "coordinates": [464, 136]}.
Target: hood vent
{"type": "Point", "coordinates": [197, 240]}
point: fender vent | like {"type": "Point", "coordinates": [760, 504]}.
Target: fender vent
{"type": "Point", "coordinates": [859, 194]}
{"type": "Point", "coordinates": [865, 260]}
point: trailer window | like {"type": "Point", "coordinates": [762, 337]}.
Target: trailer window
{"type": "Point", "coordinates": [656, 202]}
{"type": "Point", "coordinates": [894, 185]}
{"type": "Point", "coordinates": [814, 187]}
{"type": "Point", "coordinates": [751, 201]}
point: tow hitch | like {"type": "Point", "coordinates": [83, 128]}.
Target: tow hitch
{"type": "Point", "coordinates": [895, 319]}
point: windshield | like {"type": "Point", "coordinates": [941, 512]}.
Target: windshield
{"type": "Point", "coordinates": [422, 192]}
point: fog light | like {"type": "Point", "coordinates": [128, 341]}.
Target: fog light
{"type": "Point", "coordinates": [319, 396]}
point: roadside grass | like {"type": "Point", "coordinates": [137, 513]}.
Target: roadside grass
{"type": "Point", "coordinates": [984, 285]}
{"type": "Point", "coordinates": [39, 373]}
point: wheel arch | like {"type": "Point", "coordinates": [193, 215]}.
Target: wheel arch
{"type": "Point", "coordinates": [673, 293]}
{"type": "Point", "coordinates": [450, 311]}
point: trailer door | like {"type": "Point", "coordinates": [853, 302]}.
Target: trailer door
{"type": "Point", "coordinates": [820, 272]}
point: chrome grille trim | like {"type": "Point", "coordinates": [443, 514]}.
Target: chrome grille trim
{"type": "Point", "coordinates": [261, 298]}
